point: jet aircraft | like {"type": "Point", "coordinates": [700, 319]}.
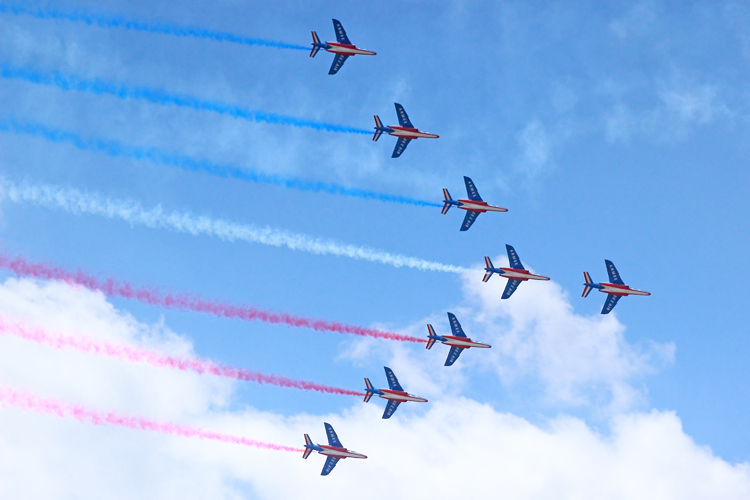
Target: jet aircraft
{"type": "Point", "coordinates": [334, 451]}
{"type": "Point", "coordinates": [395, 395]}
{"type": "Point", "coordinates": [458, 341]}
{"type": "Point", "coordinates": [516, 273]}
{"type": "Point", "coordinates": [342, 47]}
{"type": "Point", "coordinates": [614, 289]}
{"type": "Point", "coordinates": [473, 206]}
{"type": "Point", "coordinates": [405, 131]}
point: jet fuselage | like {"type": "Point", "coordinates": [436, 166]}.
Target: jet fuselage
{"type": "Point", "coordinates": [400, 396]}
{"type": "Point", "coordinates": [516, 274]}
{"type": "Point", "coordinates": [338, 452]}
{"type": "Point", "coordinates": [615, 289]}
{"type": "Point", "coordinates": [479, 206]}
{"type": "Point", "coordinates": [410, 133]}
{"type": "Point", "coordinates": [462, 342]}
{"type": "Point", "coordinates": [347, 50]}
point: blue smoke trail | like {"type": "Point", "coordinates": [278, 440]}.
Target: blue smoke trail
{"type": "Point", "coordinates": [156, 96]}
{"type": "Point", "coordinates": [118, 150]}
{"type": "Point", "coordinates": [45, 12]}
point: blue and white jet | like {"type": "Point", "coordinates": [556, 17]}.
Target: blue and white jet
{"type": "Point", "coordinates": [473, 206]}
{"type": "Point", "coordinates": [457, 342]}
{"type": "Point", "coordinates": [342, 47]}
{"type": "Point", "coordinates": [334, 451]}
{"type": "Point", "coordinates": [516, 273]}
{"type": "Point", "coordinates": [405, 131]}
{"type": "Point", "coordinates": [614, 289]}
{"type": "Point", "coordinates": [395, 395]}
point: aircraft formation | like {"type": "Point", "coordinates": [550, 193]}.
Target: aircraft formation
{"type": "Point", "coordinates": [474, 205]}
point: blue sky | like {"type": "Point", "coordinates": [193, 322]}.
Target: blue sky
{"type": "Point", "coordinates": [610, 130]}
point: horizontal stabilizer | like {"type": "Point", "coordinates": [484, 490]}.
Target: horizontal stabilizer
{"type": "Point", "coordinates": [368, 394]}
{"type": "Point", "coordinates": [448, 201]}
{"type": "Point", "coordinates": [587, 289]}
{"type": "Point", "coordinates": [307, 451]}
{"type": "Point", "coordinates": [378, 127]}
{"type": "Point", "coordinates": [430, 340]}
{"type": "Point", "coordinates": [316, 41]}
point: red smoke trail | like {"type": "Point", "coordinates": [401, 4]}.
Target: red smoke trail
{"type": "Point", "coordinates": [126, 353]}
{"type": "Point", "coordinates": [112, 288]}
{"type": "Point", "coordinates": [27, 401]}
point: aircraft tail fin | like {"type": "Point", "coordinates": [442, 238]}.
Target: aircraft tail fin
{"type": "Point", "coordinates": [378, 126]}
{"type": "Point", "coordinates": [430, 340]}
{"type": "Point", "coordinates": [447, 204]}
{"type": "Point", "coordinates": [368, 394]}
{"type": "Point", "coordinates": [307, 451]}
{"type": "Point", "coordinates": [586, 288]}
{"type": "Point", "coordinates": [315, 48]}
{"type": "Point", "coordinates": [488, 264]}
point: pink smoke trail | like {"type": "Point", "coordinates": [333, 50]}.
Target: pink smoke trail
{"type": "Point", "coordinates": [26, 401]}
{"type": "Point", "coordinates": [21, 267]}
{"type": "Point", "coordinates": [126, 353]}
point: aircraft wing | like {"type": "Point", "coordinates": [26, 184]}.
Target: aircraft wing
{"type": "Point", "coordinates": [340, 33]}
{"type": "Point", "coordinates": [515, 262]}
{"type": "Point", "coordinates": [469, 220]}
{"type": "Point", "coordinates": [390, 408]}
{"type": "Point", "coordinates": [453, 355]}
{"type": "Point", "coordinates": [471, 190]}
{"type": "Point", "coordinates": [400, 146]}
{"type": "Point", "coordinates": [403, 118]}
{"type": "Point", "coordinates": [510, 288]}
{"type": "Point", "coordinates": [392, 380]}
{"type": "Point", "coordinates": [455, 326]}
{"type": "Point", "coordinates": [610, 303]}
{"type": "Point", "coordinates": [338, 61]}
{"type": "Point", "coordinates": [333, 439]}
{"type": "Point", "coordinates": [614, 276]}
{"type": "Point", "coordinates": [329, 465]}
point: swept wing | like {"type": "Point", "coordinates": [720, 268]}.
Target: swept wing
{"type": "Point", "coordinates": [510, 287]}
{"type": "Point", "coordinates": [400, 146]}
{"type": "Point", "coordinates": [329, 465]}
{"type": "Point", "coordinates": [453, 355]}
{"type": "Point", "coordinates": [392, 380]}
{"type": "Point", "coordinates": [403, 118]}
{"type": "Point", "coordinates": [610, 303]}
{"type": "Point", "coordinates": [390, 408]}
{"type": "Point", "coordinates": [614, 276]}
{"type": "Point", "coordinates": [455, 326]}
{"type": "Point", "coordinates": [340, 33]}
{"type": "Point", "coordinates": [469, 220]}
{"type": "Point", "coordinates": [337, 63]}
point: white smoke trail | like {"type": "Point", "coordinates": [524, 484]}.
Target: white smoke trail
{"type": "Point", "coordinates": [78, 202]}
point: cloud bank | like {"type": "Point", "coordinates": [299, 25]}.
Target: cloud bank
{"type": "Point", "coordinates": [457, 448]}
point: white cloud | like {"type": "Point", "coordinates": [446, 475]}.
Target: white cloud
{"type": "Point", "coordinates": [537, 339]}
{"type": "Point", "coordinates": [536, 333]}
{"type": "Point", "coordinates": [458, 448]}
